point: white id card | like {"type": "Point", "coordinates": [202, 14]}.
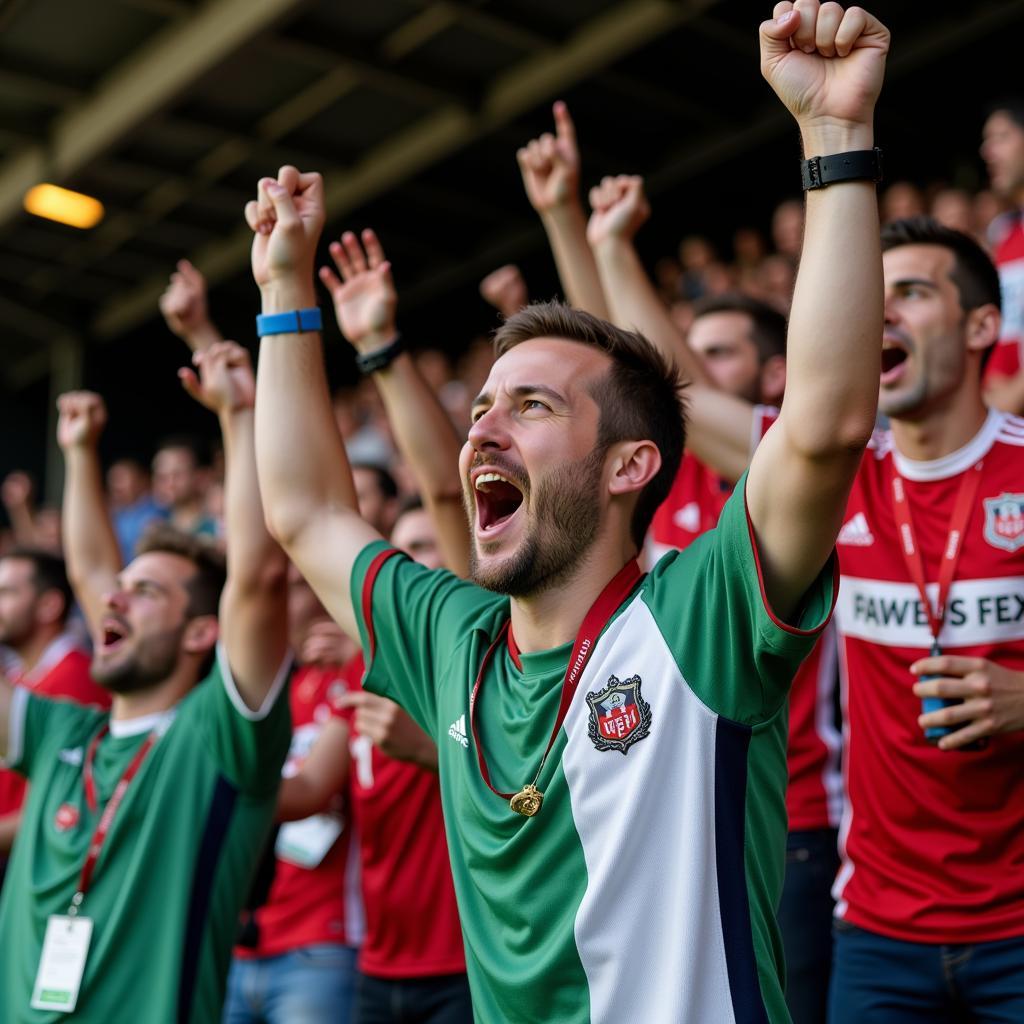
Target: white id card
{"type": "Point", "coordinates": [305, 843]}
{"type": "Point", "coordinates": [62, 963]}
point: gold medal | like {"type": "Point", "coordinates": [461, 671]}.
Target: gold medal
{"type": "Point", "coordinates": [527, 801]}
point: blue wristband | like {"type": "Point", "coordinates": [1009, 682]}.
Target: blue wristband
{"type": "Point", "coordinates": [295, 321]}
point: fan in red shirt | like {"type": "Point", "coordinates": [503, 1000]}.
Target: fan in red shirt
{"type": "Point", "coordinates": [35, 601]}
{"type": "Point", "coordinates": [1002, 149]}
{"type": "Point", "coordinates": [930, 897]}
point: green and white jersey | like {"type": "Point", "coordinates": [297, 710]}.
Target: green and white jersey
{"type": "Point", "coordinates": [645, 889]}
{"type": "Point", "coordinates": [176, 865]}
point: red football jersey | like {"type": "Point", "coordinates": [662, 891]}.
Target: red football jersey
{"type": "Point", "coordinates": [932, 845]}
{"type": "Point", "coordinates": [412, 922]}
{"type": "Point", "coordinates": [1008, 240]}
{"type": "Point", "coordinates": [62, 671]}
{"type": "Point", "coordinates": [312, 905]}
{"type": "Point", "coordinates": [814, 793]}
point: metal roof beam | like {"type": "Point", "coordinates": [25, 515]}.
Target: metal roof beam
{"type": "Point", "coordinates": [136, 89]}
{"type": "Point", "coordinates": [598, 43]}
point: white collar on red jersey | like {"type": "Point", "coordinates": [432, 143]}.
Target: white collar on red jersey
{"type": "Point", "coordinates": [956, 462]}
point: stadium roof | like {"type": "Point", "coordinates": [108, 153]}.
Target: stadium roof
{"type": "Point", "coordinates": [168, 111]}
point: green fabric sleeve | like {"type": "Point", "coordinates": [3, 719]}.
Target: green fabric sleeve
{"type": "Point", "coordinates": [248, 746]}
{"type": "Point", "coordinates": [48, 725]}
{"type": "Point", "coordinates": [411, 622]}
{"type": "Point", "coordinates": [709, 603]}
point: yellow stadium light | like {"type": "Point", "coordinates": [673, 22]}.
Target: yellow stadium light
{"type": "Point", "coordinates": [64, 206]}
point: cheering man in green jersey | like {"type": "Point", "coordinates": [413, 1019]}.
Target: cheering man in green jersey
{"type": "Point", "coordinates": [143, 825]}
{"type": "Point", "coordinates": [611, 747]}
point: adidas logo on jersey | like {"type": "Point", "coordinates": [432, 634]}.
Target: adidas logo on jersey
{"type": "Point", "coordinates": [457, 731]}
{"type": "Point", "coordinates": [856, 532]}
{"type": "Point", "coordinates": [71, 755]}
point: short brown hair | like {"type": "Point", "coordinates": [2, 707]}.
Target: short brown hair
{"type": "Point", "coordinates": [205, 585]}
{"type": "Point", "coordinates": [640, 399]}
{"type": "Point", "coordinates": [973, 273]}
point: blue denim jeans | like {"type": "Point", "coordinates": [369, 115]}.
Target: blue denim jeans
{"type": "Point", "coordinates": [805, 919]}
{"type": "Point", "coordinates": [440, 999]}
{"type": "Point", "coordinates": [309, 985]}
{"type": "Point", "coordinates": [883, 980]}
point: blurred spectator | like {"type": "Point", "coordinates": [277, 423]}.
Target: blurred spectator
{"type": "Point", "coordinates": [177, 485]}
{"type": "Point", "coordinates": [30, 527]}
{"type": "Point", "coordinates": [696, 256]}
{"type": "Point", "coordinates": [900, 200]}
{"type": "Point", "coordinates": [788, 229]}
{"type": "Point", "coordinates": [39, 652]}
{"type": "Point", "coordinates": [668, 278]}
{"type": "Point", "coordinates": [1002, 149]}
{"type": "Point", "coordinates": [954, 207]}
{"type": "Point", "coordinates": [435, 367]}
{"type": "Point", "coordinates": [132, 505]}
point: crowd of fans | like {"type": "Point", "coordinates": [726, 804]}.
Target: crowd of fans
{"type": "Point", "coordinates": [353, 903]}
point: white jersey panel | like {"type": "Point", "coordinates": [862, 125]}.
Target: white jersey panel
{"type": "Point", "coordinates": [646, 822]}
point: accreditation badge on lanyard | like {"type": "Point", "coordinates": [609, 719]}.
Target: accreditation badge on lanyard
{"type": "Point", "coordinates": [66, 943]}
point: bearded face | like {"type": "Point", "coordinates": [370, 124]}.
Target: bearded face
{"type": "Point", "coordinates": [561, 517]}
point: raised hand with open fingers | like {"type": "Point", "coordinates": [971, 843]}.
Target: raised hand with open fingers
{"type": "Point", "coordinates": [550, 165]}
{"type": "Point", "coordinates": [825, 63]}
{"type": "Point", "coordinates": [286, 217]}
{"type": "Point", "coordinates": [619, 207]}
{"type": "Point", "coordinates": [364, 294]}
{"type": "Point", "coordinates": [225, 382]}
{"type": "Point", "coordinates": [83, 415]}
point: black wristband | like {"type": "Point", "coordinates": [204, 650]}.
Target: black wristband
{"type": "Point", "coordinates": [371, 362]}
{"type": "Point", "coordinates": [857, 165]}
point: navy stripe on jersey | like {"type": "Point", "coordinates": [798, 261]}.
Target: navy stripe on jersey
{"type": "Point", "coordinates": [218, 821]}
{"type": "Point", "coordinates": [731, 743]}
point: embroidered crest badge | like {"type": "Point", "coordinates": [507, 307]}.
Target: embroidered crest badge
{"type": "Point", "coordinates": [1004, 521]}
{"type": "Point", "coordinates": [619, 716]}
{"type": "Point", "coordinates": [66, 817]}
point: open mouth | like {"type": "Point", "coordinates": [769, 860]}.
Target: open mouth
{"type": "Point", "coordinates": [497, 500]}
{"type": "Point", "coordinates": [892, 357]}
{"type": "Point", "coordinates": [113, 633]}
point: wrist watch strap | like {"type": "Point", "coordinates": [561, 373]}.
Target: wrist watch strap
{"type": "Point", "coordinates": [371, 362]}
{"type": "Point", "coordinates": [856, 165]}
{"type": "Point", "coordinates": [295, 321]}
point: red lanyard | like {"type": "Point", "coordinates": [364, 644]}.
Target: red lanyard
{"type": "Point", "coordinates": [601, 611]}
{"type": "Point", "coordinates": [954, 542]}
{"type": "Point", "coordinates": [107, 817]}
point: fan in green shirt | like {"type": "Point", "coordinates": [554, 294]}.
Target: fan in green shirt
{"type": "Point", "coordinates": [660, 729]}
{"type": "Point", "coordinates": [180, 848]}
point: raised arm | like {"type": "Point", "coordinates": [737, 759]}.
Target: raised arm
{"type": "Point", "coordinates": [550, 167]}
{"type": "Point", "coordinates": [16, 494]}
{"type": "Point", "coordinates": [305, 479]}
{"type": "Point", "coordinates": [719, 426]}
{"type": "Point", "coordinates": [364, 302]}
{"type": "Point", "coordinates": [184, 308]}
{"type": "Point", "coordinates": [253, 612]}
{"type": "Point", "coordinates": [90, 544]}
{"type": "Point", "coordinates": [826, 66]}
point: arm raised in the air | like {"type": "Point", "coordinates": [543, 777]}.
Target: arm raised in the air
{"type": "Point", "coordinates": [364, 303]}
{"type": "Point", "coordinates": [550, 166]}
{"type": "Point", "coordinates": [304, 474]}
{"type": "Point", "coordinates": [826, 65]}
